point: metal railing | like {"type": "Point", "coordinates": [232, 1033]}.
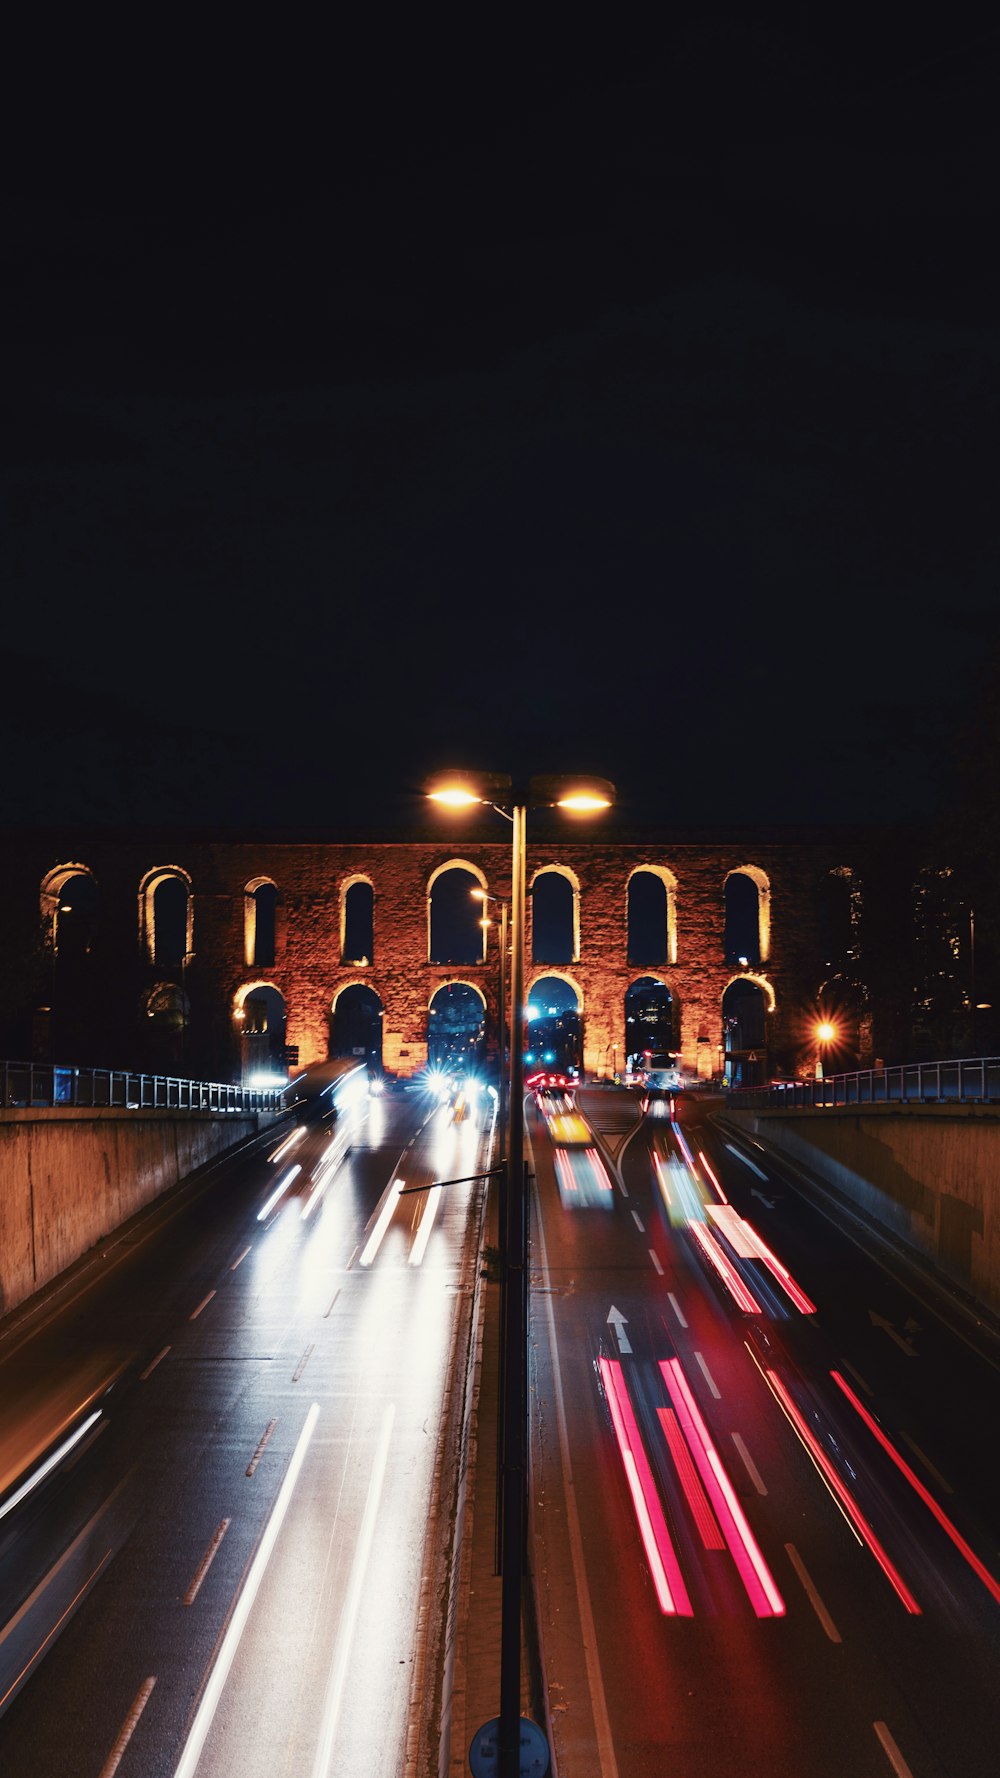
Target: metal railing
{"type": "Point", "coordinates": [46, 1084]}
{"type": "Point", "coordinates": [971, 1081]}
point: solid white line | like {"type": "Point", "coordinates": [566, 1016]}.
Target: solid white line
{"type": "Point", "coordinates": [892, 1752]}
{"type": "Point", "coordinates": [813, 1596]}
{"type": "Point", "coordinates": [355, 1588]}
{"type": "Point", "coordinates": [202, 1305]}
{"type": "Point", "coordinates": [151, 1366]}
{"type": "Point", "coordinates": [139, 1703]}
{"type": "Point", "coordinates": [595, 1682]}
{"type": "Point", "coordinates": [654, 1256]}
{"type": "Point", "coordinates": [751, 1468]}
{"type": "Point", "coordinates": [678, 1311]}
{"type": "Point", "coordinates": [237, 1623]}
{"type": "Point", "coordinates": [706, 1373]}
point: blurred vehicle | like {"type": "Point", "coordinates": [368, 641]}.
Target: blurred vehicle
{"type": "Point", "coordinates": [657, 1070]}
{"type": "Point", "coordinates": [320, 1094]}
{"type": "Point", "coordinates": [569, 1130]}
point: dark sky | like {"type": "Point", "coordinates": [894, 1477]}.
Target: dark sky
{"type": "Point", "coordinates": [611, 403]}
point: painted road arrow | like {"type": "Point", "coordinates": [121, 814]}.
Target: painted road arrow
{"type": "Point", "coordinates": [617, 1320]}
{"type": "Point", "coordinates": [887, 1327]}
{"type": "Point", "coordinates": [768, 1203]}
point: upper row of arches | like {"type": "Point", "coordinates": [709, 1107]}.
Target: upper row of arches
{"type": "Point", "coordinates": [457, 922]}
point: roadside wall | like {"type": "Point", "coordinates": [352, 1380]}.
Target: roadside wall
{"type": "Point", "coordinates": [70, 1177]}
{"type": "Point", "coordinates": [929, 1175]}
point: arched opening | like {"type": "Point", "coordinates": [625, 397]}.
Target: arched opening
{"type": "Point", "coordinates": [357, 922]}
{"type": "Point", "coordinates": [165, 916]}
{"type": "Point", "coordinates": [746, 903]}
{"type": "Point", "coordinates": [456, 1029]}
{"type": "Point", "coordinates": [647, 918]}
{"type": "Point", "coordinates": [555, 1027]}
{"type": "Point", "coordinates": [555, 906]}
{"type": "Point", "coordinates": [261, 1020]}
{"type": "Point", "coordinates": [356, 1025]}
{"type": "Point", "coordinates": [744, 1024]}
{"type": "Point", "coordinates": [167, 1014]}
{"type": "Point", "coordinates": [650, 1022]}
{"type": "Point", "coordinates": [454, 930]}
{"type": "Point", "coordinates": [260, 903]}
{"type": "Point", "coordinates": [74, 918]}
{"type": "Point", "coordinates": [839, 919]}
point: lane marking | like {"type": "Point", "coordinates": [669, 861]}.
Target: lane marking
{"type": "Point", "coordinates": [678, 1311]}
{"type": "Point", "coordinates": [595, 1681]}
{"type": "Point", "coordinates": [206, 1561]}
{"type": "Point", "coordinates": [303, 1361]}
{"type": "Point", "coordinates": [265, 1436]}
{"type": "Point", "coordinates": [355, 1588]}
{"type": "Point", "coordinates": [202, 1305]}
{"type": "Point", "coordinates": [237, 1623]}
{"type": "Point", "coordinates": [128, 1727]}
{"type": "Point", "coordinates": [751, 1468]}
{"type": "Point", "coordinates": [812, 1594]}
{"type": "Point", "coordinates": [637, 1219]}
{"type": "Point", "coordinates": [891, 1751]}
{"type": "Point", "coordinates": [242, 1257]}
{"type": "Point", "coordinates": [656, 1261]}
{"type": "Point", "coordinates": [151, 1366]}
{"type": "Point", "coordinates": [326, 1312]}
{"type": "Point", "coordinates": [706, 1373]}
{"type": "Point", "coordinates": [746, 1163]}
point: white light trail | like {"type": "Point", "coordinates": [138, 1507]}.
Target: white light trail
{"type": "Point", "coordinates": [278, 1192]}
{"type": "Point", "coordinates": [44, 1469]}
{"type": "Point", "coordinates": [237, 1623]}
{"type": "Point", "coordinates": [355, 1588]}
{"type": "Point", "coordinates": [374, 1240]}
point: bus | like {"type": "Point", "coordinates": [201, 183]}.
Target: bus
{"type": "Point", "coordinates": [656, 1071]}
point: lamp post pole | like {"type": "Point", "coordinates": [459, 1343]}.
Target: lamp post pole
{"type": "Point", "coordinates": [513, 1342]}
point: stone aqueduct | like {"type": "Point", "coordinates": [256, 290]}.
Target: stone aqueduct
{"type": "Point", "coordinates": [103, 1006]}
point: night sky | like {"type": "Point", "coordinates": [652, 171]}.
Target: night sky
{"type": "Point", "coordinates": [620, 404]}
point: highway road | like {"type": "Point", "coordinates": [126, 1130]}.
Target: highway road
{"type": "Point", "coordinates": [764, 1519]}
{"type": "Point", "coordinates": [765, 1525]}
{"type": "Point", "coordinates": [230, 1570]}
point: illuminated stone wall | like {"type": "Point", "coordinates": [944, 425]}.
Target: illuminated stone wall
{"type": "Point", "coordinates": [308, 971]}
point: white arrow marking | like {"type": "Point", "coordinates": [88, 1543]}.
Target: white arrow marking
{"type": "Point", "coordinates": [618, 1320]}
{"type": "Point", "coordinates": [880, 1321]}
{"type": "Point", "coordinates": [768, 1203]}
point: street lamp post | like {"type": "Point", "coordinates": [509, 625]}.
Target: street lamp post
{"type": "Point", "coordinates": [463, 790]}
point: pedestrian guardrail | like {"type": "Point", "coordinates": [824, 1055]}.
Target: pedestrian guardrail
{"type": "Point", "coordinates": [973, 1080]}
{"type": "Point", "coordinates": [46, 1084]}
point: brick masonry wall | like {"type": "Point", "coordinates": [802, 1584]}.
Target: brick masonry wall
{"type": "Point", "coordinates": [308, 971]}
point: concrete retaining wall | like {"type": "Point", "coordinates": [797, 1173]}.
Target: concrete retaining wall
{"type": "Point", "coordinates": [69, 1177]}
{"type": "Point", "coordinates": [929, 1175]}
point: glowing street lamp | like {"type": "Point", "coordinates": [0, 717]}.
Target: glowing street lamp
{"type": "Point", "coordinates": [825, 1035]}
{"type": "Point", "coordinates": [577, 796]}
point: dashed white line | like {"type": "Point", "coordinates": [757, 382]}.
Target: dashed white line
{"type": "Point", "coordinates": [151, 1366]}
{"type": "Point", "coordinates": [206, 1562]}
{"type": "Point", "coordinates": [303, 1361]}
{"type": "Point", "coordinates": [812, 1595]}
{"type": "Point", "coordinates": [892, 1752]}
{"type": "Point", "coordinates": [239, 1261]}
{"type": "Point", "coordinates": [706, 1373]}
{"type": "Point", "coordinates": [655, 1259]}
{"type": "Point", "coordinates": [678, 1311]}
{"type": "Point", "coordinates": [751, 1468]}
{"type": "Point", "coordinates": [255, 1459]}
{"type": "Point", "coordinates": [637, 1219]}
{"type": "Point", "coordinates": [202, 1305]}
{"type": "Point", "coordinates": [139, 1703]}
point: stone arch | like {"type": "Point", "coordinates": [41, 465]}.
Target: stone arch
{"type": "Point", "coordinates": [357, 1023]}
{"type": "Point", "coordinates": [642, 1033]}
{"type": "Point", "coordinates": [573, 947]}
{"type": "Point", "coordinates": [458, 1040]}
{"type": "Point", "coordinates": [562, 1032]}
{"type": "Point", "coordinates": [57, 904]}
{"type": "Point", "coordinates": [746, 1001]}
{"type": "Point", "coordinates": [475, 929]}
{"type": "Point", "coordinates": [357, 919]}
{"type": "Point", "coordinates": [260, 1020]}
{"type": "Point", "coordinates": [260, 906]}
{"type": "Point", "coordinates": [669, 881]}
{"type": "Point", "coordinates": [756, 932]}
{"type": "Point", "coordinates": [150, 890]}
